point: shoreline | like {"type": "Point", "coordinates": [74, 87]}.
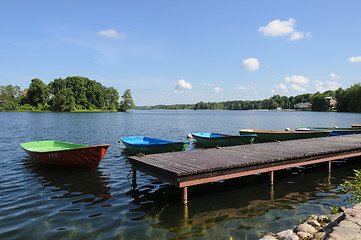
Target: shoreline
{"type": "Point", "coordinates": [345, 225]}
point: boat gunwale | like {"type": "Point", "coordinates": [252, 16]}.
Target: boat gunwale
{"type": "Point", "coordinates": [280, 132]}
{"type": "Point", "coordinates": [224, 136]}
{"type": "Point", "coordinates": [161, 143]}
{"type": "Point", "coordinates": [62, 150]}
{"type": "Point", "coordinates": [328, 129]}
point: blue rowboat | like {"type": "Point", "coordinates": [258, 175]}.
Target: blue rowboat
{"type": "Point", "coordinates": [147, 145]}
{"type": "Point", "coordinates": [335, 131]}
{"type": "Point", "coordinates": [222, 140]}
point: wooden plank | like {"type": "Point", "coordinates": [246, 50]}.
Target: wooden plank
{"type": "Point", "coordinates": [230, 175]}
{"type": "Point", "coordinates": [199, 165]}
{"type": "Point", "coordinates": [245, 171]}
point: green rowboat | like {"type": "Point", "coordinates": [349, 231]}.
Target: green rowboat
{"type": "Point", "coordinates": [272, 136]}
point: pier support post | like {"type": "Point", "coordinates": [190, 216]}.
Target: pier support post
{"type": "Point", "coordinates": [134, 178]}
{"type": "Point", "coordinates": [185, 195]}
{"type": "Point", "coordinates": [271, 177]}
{"type": "Point", "coordinates": [185, 212]}
{"type": "Point", "coordinates": [329, 172]}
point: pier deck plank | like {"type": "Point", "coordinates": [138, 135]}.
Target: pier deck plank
{"type": "Point", "coordinates": [206, 165]}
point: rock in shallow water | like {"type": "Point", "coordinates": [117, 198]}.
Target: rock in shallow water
{"type": "Point", "coordinates": [268, 237]}
{"type": "Point", "coordinates": [304, 235]}
{"type": "Point", "coordinates": [287, 235]}
{"type": "Point", "coordinates": [314, 223]}
{"type": "Point", "coordinates": [305, 227]}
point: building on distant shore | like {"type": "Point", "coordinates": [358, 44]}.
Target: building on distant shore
{"type": "Point", "coordinates": [303, 106]}
{"type": "Point", "coordinates": [330, 103]}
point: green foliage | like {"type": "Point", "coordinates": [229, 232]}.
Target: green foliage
{"type": "Point", "coordinates": [82, 94]}
{"type": "Point", "coordinates": [318, 103]}
{"type": "Point", "coordinates": [38, 93]}
{"type": "Point", "coordinates": [165, 107]}
{"type": "Point", "coordinates": [70, 94]}
{"type": "Point", "coordinates": [349, 100]}
{"type": "Point", "coordinates": [26, 108]}
{"type": "Point", "coordinates": [127, 102]}
{"type": "Point", "coordinates": [78, 93]}
{"type": "Point", "coordinates": [317, 100]}
{"type": "Point", "coordinates": [335, 209]}
{"type": "Point", "coordinates": [353, 187]}
{"type": "Point", "coordinates": [10, 97]}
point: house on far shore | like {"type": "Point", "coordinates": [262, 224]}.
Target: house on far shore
{"type": "Point", "coordinates": [330, 103]}
{"type": "Point", "coordinates": [303, 106]}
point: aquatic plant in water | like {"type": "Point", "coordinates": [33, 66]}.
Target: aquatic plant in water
{"type": "Point", "coordinates": [353, 187]}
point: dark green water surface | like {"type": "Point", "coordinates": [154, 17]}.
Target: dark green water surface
{"type": "Point", "coordinates": [39, 202]}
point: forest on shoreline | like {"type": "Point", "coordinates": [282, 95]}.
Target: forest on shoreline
{"type": "Point", "coordinates": [348, 100]}
{"type": "Point", "coordinates": [73, 94]}
{"type": "Point", "coordinates": [80, 94]}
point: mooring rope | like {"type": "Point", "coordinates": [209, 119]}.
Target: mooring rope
{"type": "Point", "coordinates": [106, 165]}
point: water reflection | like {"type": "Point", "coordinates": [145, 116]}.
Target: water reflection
{"type": "Point", "coordinates": [86, 186]}
{"type": "Point", "coordinates": [245, 198]}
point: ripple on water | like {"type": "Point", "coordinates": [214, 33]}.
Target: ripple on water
{"type": "Point", "coordinates": [39, 202]}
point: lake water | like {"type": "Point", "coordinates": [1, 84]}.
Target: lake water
{"type": "Point", "coordinates": [39, 202]}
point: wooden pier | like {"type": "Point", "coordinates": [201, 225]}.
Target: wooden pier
{"type": "Point", "coordinates": [189, 168]}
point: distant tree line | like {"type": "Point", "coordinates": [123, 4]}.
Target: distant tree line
{"type": "Point", "coordinates": [64, 95]}
{"type": "Point", "coordinates": [348, 100]}
{"type": "Point", "coordinates": [165, 107]}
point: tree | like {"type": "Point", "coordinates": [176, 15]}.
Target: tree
{"type": "Point", "coordinates": [318, 103]}
{"type": "Point", "coordinates": [10, 97]}
{"type": "Point", "coordinates": [354, 98]}
{"type": "Point", "coordinates": [127, 102]}
{"type": "Point", "coordinates": [64, 100]}
{"type": "Point", "coordinates": [342, 100]}
{"type": "Point", "coordinates": [38, 93]}
{"type": "Point", "coordinates": [77, 92]}
{"type": "Point", "coordinates": [112, 98]}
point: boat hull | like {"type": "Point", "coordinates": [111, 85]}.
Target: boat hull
{"type": "Point", "coordinates": [334, 131]}
{"type": "Point", "coordinates": [272, 136]}
{"type": "Point", "coordinates": [145, 145]}
{"type": "Point", "coordinates": [87, 157]}
{"type": "Point", "coordinates": [222, 140]}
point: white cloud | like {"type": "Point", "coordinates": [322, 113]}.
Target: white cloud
{"type": "Point", "coordinates": [283, 28]}
{"type": "Point", "coordinates": [328, 85]}
{"type": "Point", "coordinates": [217, 90]}
{"type": "Point", "coordinates": [297, 35]}
{"type": "Point", "coordinates": [214, 88]}
{"type": "Point", "coordinates": [282, 87]}
{"type": "Point", "coordinates": [297, 88]}
{"type": "Point", "coordinates": [250, 64]}
{"type": "Point", "coordinates": [297, 79]}
{"type": "Point", "coordinates": [245, 88]}
{"type": "Point", "coordinates": [355, 59]}
{"type": "Point", "coordinates": [110, 33]}
{"type": "Point", "coordinates": [278, 28]}
{"type": "Point", "coordinates": [182, 86]}
{"type": "Point", "coordinates": [333, 76]}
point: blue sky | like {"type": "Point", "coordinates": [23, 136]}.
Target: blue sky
{"type": "Point", "coordinates": [183, 51]}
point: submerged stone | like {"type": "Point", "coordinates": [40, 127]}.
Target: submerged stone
{"type": "Point", "coordinates": [287, 235]}
{"type": "Point", "coordinates": [305, 227]}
